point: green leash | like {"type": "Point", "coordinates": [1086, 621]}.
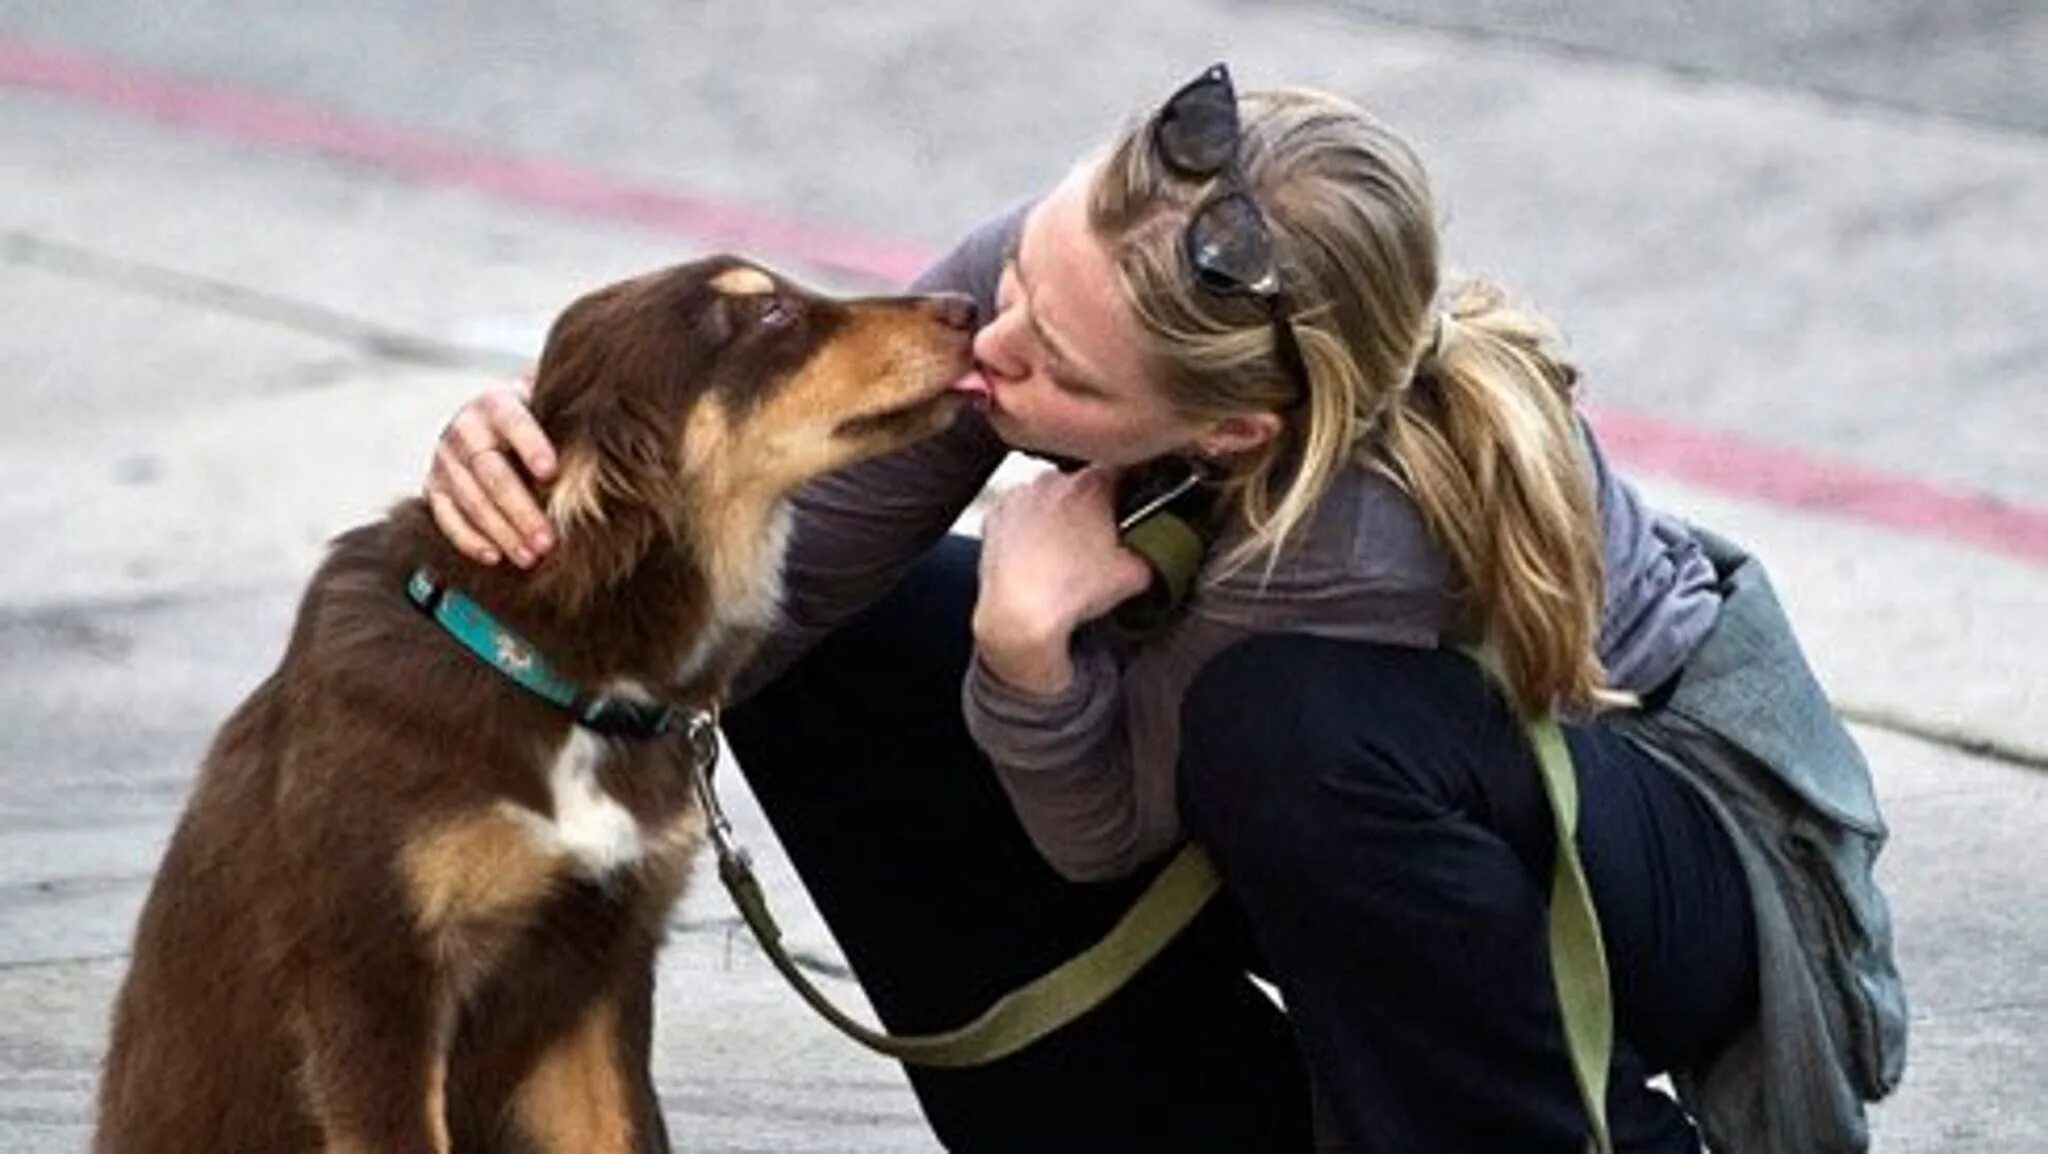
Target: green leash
{"type": "Point", "coordinates": [1176, 895]}
{"type": "Point", "coordinates": [1578, 958]}
{"type": "Point", "coordinates": [1018, 1018]}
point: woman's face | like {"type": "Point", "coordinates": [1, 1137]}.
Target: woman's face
{"type": "Point", "coordinates": [1061, 358]}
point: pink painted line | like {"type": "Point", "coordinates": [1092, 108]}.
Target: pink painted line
{"type": "Point", "coordinates": [1710, 460]}
{"type": "Point", "coordinates": [1779, 476]}
{"type": "Point", "coordinates": [258, 119]}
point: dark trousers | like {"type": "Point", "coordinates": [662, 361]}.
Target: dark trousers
{"type": "Point", "coordinates": [1385, 848]}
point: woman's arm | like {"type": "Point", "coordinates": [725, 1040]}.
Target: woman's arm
{"type": "Point", "coordinates": [1065, 760]}
{"type": "Point", "coordinates": [1043, 697]}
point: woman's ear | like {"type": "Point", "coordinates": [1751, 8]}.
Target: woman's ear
{"type": "Point", "coordinates": [1240, 433]}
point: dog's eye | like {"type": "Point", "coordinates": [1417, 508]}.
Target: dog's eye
{"type": "Point", "coordinates": [773, 312]}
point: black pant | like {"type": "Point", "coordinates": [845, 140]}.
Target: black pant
{"type": "Point", "coordinates": [1385, 847]}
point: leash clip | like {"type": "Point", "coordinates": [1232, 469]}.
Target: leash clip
{"type": "Point", "coordinates": [702, 735]}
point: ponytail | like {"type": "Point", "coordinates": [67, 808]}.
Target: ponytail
{"type": "Point", "coordinates": [1483, 440]}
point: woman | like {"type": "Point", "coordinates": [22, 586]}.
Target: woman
{"type": "Point", "coordinates": [1254, 286]}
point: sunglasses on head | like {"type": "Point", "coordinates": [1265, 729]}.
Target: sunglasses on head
{"type": "Point", "coordinates": [1227, 242]}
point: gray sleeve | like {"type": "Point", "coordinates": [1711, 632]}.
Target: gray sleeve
{"type": "Point", "coordinates": [1064, 761]}
{"type": "Point", "coordinates": [976, 265]}
{"type": "Point", "coordinates": [855, 531]}
{"type": "Point", "coordinates": [1660, 595]}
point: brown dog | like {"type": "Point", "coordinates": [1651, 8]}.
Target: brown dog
{"type": "Point", "coordinates": [413, 906]}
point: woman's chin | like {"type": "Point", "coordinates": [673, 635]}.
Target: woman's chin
{"type": "Point", "coordinates": [1014, 433]}
{"type": "Point", "coordinates": [1023, 438]}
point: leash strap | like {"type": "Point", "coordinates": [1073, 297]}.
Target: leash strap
{"type": "Point", "coordinates": [1018, 1018]}
{"type": "Point", "coordinates": [1578, 958]}
{"type": "Point", "coordinates": [1176, 895]}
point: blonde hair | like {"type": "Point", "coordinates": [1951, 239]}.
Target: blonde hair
{"type": "Point", "coordinates": [1467, 410]}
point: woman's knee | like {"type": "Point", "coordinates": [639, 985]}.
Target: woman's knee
{"type": "Point", "coordinates": [1289, 722]}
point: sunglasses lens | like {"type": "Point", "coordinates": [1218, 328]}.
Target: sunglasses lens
{"type": "Point", "coordinates": [1197, 129]}
{"type": "Point", "coordinates": [1230, 249]}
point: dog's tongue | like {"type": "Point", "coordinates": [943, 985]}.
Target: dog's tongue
{"type": "Point", "coordinates": [975, 387]}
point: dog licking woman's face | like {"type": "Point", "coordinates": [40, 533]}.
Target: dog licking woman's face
{"type": "Point", "coordinates": [720, 381]}
{"type": "Point", "coordinates": [1060, 366]}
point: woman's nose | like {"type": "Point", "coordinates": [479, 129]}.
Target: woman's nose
{"type": "Point", "coordinates": [996, 345]}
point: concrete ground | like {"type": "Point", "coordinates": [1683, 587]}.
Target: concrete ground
{"type": "Point", "coordinates": [255, 254]}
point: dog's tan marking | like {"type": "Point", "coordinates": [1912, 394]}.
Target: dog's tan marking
{"type": "Point", "coordinates": [706, 432]}
{"type": "Point", "coordinates": [576, 1099]}
{"type": "Point", "coordinates": [437, 1104]}
{"type": "Point", "coordinates": [668, 860]}
{"type": "Point", "coordinates": [743, 281]}
{"type": "Point", "coordinates": [737, 470]}
{"type": "Point", "coordinates": [437, 1073]}
{"type": "Point", "coordinates": [477, 868]}
{"type": "Point", "coordinates": [679, 838]}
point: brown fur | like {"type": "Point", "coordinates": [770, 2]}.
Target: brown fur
{"type": "Point", "coordinates": [366, 935]}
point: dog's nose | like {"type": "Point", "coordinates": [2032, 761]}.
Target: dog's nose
{"type": "Point", "coordinates": [956, 311]}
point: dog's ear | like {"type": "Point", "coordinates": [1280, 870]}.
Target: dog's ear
{"type": "Point", "coordinates": [613, 497]}
{"type": "Point", "coordinates": [615, 457]}
{"type": "Point", "coordinates": [614, 494]}
{"type": "Point", "coordinates": [611, 440]}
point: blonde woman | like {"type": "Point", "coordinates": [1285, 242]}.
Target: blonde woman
{"type": "Point", "coordinates": [974, 774]}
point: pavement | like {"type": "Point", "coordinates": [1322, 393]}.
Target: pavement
{"type": "Point", "coordinates": [255, 255]}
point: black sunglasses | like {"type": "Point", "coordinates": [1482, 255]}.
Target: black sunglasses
{"type": "Point", "coordinates": [1227, 242]}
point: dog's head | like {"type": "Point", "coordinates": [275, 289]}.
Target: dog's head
{"type": "Point", "coordinates": [722, 383]}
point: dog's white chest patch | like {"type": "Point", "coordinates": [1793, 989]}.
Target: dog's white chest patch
{"type": "Point", "coordinates": [589, 826]}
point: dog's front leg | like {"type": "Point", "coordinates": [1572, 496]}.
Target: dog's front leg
{"type": "Point", "coordinates": [636, 1036]}
{"type": "Point", "coordinates": [376, 1062]}
{"type": "Point", "coordinates": [582, 1097]}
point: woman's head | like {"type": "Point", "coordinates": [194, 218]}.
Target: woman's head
{"type": "Point", "coordinates": [1344, 208]}
{"type": "Point", "coordinates": [1106, 347]}
{"type": "Point", "coordinates": [1109, 346]}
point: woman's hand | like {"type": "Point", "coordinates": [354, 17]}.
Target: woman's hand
{"type": "Point", "coordinates": [477, 497]}
{"type": "Point", "coordinates": [1050, 560]}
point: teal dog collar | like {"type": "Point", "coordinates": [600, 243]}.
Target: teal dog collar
{"type": "Point", "coordinates": [511, 655]}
